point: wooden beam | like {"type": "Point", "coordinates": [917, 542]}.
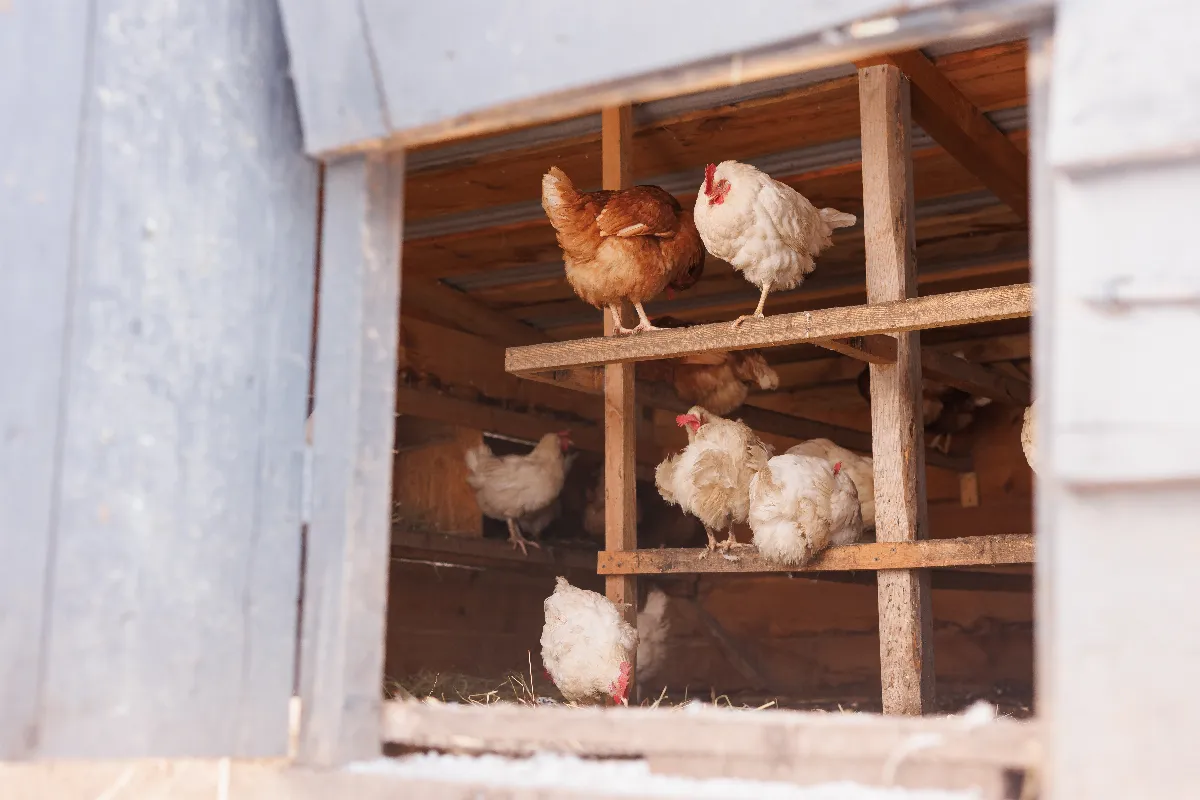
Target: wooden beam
{"type": "Point", "coordinates": [620, 421]}
{"type": "Point", "coordinates": [432, 300]}
{"type": "Point", "coordinates": [969, 551]}
{"type": "Point", "coordinates": [901, 514]}
{"type": "Point", "coordinates": [474, 551]}
{"type": "Point", "coordinates": [957, 125]}
{"type": "Point", "coordinates": [433, 405]}
{"type": "Point", "coordinates": [345, 582]}
{"type": "Point", "coordinates": [975, 379]}
{"type": "Point", "coordinates": [806, 327]}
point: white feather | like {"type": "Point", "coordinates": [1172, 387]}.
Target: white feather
{"type": "Point", "coordinates": [790, 508]}
{"type": "Point", "coordinates": [585, 641]}
{"type": "Point", "coordinates": [508, 487]}
{"type": "Point", "coordinates": [860, 468]}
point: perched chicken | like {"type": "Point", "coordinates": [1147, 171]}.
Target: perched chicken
{"type": "Point", "coordinates": [593, 511]}
{"type": "Point", "coordinates": [587, 647]}
{"type": "Point", "coordinates": [945, 410]}
{"type": "Point", "coordinates": [861, 470]}
{"type": "Point", "coordinates": [1029, 437]}
{"type": "Point", "coordinates": [762, 227]}
{"type": "Point", "coordinates": [710, 479]}
{"type": "Point", "coordinates": [622, 245]}
{"type": "Point", "coordinates": [511, 487]}
{"type": "Point", "coordinates": [799, 505]}
{"type": "Point", "coordinates": [652, 629]}
{"type": "Point", "coordinates": [716, 380]}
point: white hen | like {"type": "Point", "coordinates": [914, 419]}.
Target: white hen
{"type": "Point", "coordinates": [587, 646]}
{"type": "Point", "coordinates": [765, 229]}
{"type": "Point", "coordinates": [1028, 437]}
{"type": "Point", "coordinates": [860, 468]}
{"type": "Point", "coordinates": [710, 479]}
{"type": "Point", "coordinates": [511, 487]}
{"type": "Point", "coordinates": [799, 505]}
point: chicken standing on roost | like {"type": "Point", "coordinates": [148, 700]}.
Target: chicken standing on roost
{"type": "Point", "coordinates": [799, 505]}
{"type": "Point", "coordinates": [629, 244]}
{"type": "Point", "coordinates": [515, 486]}
{"type": "Point", "coordinates": [765, 229]}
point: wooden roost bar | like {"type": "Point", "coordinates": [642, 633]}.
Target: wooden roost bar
{"type": "Point", "coordinates": [885, 333]}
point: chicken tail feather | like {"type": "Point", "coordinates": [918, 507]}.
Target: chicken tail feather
{"type": "Point", "coordinates": [558, 192]}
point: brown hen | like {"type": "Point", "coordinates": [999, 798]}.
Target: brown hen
{"type": "Point", "coordinates": [622, 245]}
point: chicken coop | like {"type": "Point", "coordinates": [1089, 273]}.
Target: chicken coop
{"type": "Point", "coordinates": [397, 222]}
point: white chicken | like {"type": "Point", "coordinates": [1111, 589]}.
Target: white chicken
{"type": "Point", "coordinates": [861, 470]}
{"type": "Point", "coordinates": [652, 629]}
{"type": "Point", "coordinates": [799, 505]}
{"type": "Point", "coordinates": [765, 229]}
{"type": "Point", "coordinates": [1028, 437]}
{"type": "Point", "coordinates": [513, 486]}
{"type": "Point", "coordinates": [587, 646]}
{"type": "Point", "coordinates": [710, 479]}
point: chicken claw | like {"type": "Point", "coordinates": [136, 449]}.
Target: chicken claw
{"type": "Point", "coordinates": [711, 546]}
{"type": "Point", "coordinates": [729, 544]}
{"type": "Point", "coordinates": [518, 541]}
{"type": "Point", "coordinates": [737, 323]}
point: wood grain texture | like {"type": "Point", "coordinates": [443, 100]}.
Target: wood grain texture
{"type": "Point", "coordinates": [170, 602]}
{"type": "Point", "coordinates": [430, 299]}
{"type": "Point", "coordinates": [43, 75]}
{"type": "Point", "coordinates": [921, 313]}
{"type": "Point", "coordinates": [944, 111]}
{"type": "Point", "coordinates": [345, 597]}
{"type": "Point", "coordinates": [487, 552]}
{"type": "Point", "coordinates": [901, 514]}
{"type": "Point", "coordinates": [620, 411]}
{"type": "Point", "coordinates": [968, 551]}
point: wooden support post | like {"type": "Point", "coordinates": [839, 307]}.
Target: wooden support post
{"type": "Point", "coordinates": [620, 420]}
{"type": "Point", "coordinates": [905, 616]}
{"type": "Point", "coordinates": [346, 577]}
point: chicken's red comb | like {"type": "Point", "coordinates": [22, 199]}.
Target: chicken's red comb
{"type": "Point", "coordinates": [837, 468]}
{"type": "Point", "coordinates": [686, 419]}
{"type": "Point", "coordinates": [710, 174]}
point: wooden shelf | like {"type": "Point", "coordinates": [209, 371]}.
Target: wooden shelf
{"type": "Point", "coordinates": [820, 325]}
{"type": "Point", "coordinates": [473, 551]}
{"type": "Point", "coordinates": [970, 551]}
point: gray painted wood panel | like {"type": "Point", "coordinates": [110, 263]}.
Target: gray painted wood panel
{"type": "Point", "coordinates": [434, 67]}
{"type": "Point", "coordinates": [331, 63]}
{"type": "Point", "coordinates": [1134, 81]}
{"type": "Point", "coordinates": [170, 619]}
{"type": "Point", "coordinates": [43, 65]}
{"type": "Point", "coordinates": [1119, 645]}
{"type": "Point", "coordinates": [348, 552]}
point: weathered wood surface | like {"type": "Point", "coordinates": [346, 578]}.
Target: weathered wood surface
{"type": "Point", "coordinates": [620, 411]}
{"type": "Point", "coordinates": [1117, 451]}
{"type": "Point", "coordinates": [345, 596]}
{"type": "Point", "coordinates": [921, 313]}
{"type": "Point", "coordinates": [956, 124]}
{"type": "Point", "coordinates": [432, 85]}
{"type": "Point", "coordinates": [333, 74]}
{"type": "Point", "coordinates": [43, 74]}
{"type": "Point", "coordinates": [897, 431]}
{"type": "Point", "coordinates": [944, 751]}
{"type": "Point", "coordinates": [488, 552]}
{"type": "Point", "coordinates": [969, 551]}
{"type": "Point", "coordinates": [152, 536]}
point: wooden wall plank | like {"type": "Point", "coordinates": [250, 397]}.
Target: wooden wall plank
{"type": "Point", "coordinates": [345, 599]}
{"type": "Point", "coordinates": [43, 66]}
{"type": "Point", "coordinates": [620, 411]}
{"type": "Point", "coordinates": [172, 596]}
{"type": "Point", "coordinates": [905, 614]}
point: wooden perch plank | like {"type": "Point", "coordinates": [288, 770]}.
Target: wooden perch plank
{"type": "Point", "coordinates": [876, 349]}
{"type": "Point", "coordinates": [487, 552]}
{"type": "Point", "coordinates": [919, 313]}
{"type": "Point", "coordinates": [620, 412]}
{"type": "Point", "coordinates": [957, 125]}
{"type": "Point", "coordinates": [901, 514]}
{"type": "Point", "coordinates": [968, 551]}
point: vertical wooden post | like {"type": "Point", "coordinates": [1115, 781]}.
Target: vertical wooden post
{"type": "Point", "coordinates": [346, 571]}
{"type": "Point", "coordinates": [898, 440]}
{"type": "Point", "coordinates": [620, 420]}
